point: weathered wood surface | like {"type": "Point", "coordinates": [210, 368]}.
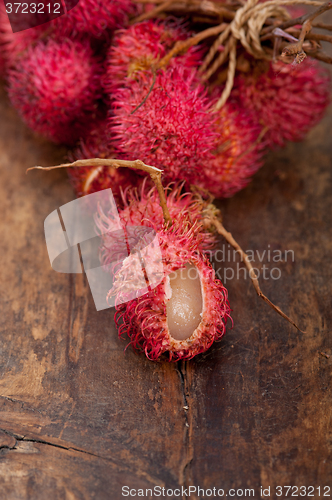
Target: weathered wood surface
{"type": "Point", "coordinates": [80, 418]}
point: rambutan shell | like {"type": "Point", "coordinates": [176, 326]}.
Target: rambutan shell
{"type": "Point", "coordinates": [55, 87]}
{"type": "Point", "coordinates": [288, 99]}
{"type": "Point", "coordinates": [173, 129]}
{"type": "Point", "coordinates": [238, 152]}
{"type": "Point", "coordinates": [95, 18]}
{"type": "Point", "coordinates": [140, 47]}
{"type": "Point", "coordinates": [144, 319]}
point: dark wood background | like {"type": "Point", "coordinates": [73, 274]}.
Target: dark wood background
{"type": "Point", "coordinates": [80, 418]}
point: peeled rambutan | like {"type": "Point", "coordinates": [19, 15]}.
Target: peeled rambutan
{"type": "Point", "coordinates": [142, 46]}
{"type": "Point", "coordinates": [170, 126]}
{"type": "Point", "coordinates": [87, 180]}
{"type": "Point", "coordinates": [238, 152]}
{"type": "Point", "coordinates": [184, 314]}
{"type": "Point", "coordinates": [94, 17]}
{"type": "Point", "coordinates": [287, 99]}
{"type": "Point", "coordinates": [55, 87]}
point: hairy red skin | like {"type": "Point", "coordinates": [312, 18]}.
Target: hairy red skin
{"type": "Point", "coordinates": [173, 130]}
{"type": "Point", "coordinates": [289, 100]}
{"type": "Point", "coordinates": [55, 87]}
{"type": "Point", "coordinates": [142, 46]}
{"type": "Point", "coordinates": [238, 152]}
{"type": "Point", "coordinates": [95, 18]}
{"type": "Point", "coordinates": [141, 207]}
{"type": "Point", "coordinates": [144, 319]}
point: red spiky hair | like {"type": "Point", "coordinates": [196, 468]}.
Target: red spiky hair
{"type": "Point", "coordinates": [288, 99]}
{"type": "Point", "coordinates": [141, 46]}
{"type": "Point", "coordinates": [238, 152]}
{"type": "Point", "coordinates": [173, 129]}
{"type": "Point", "coordinates": [144, 319]}
{"type": "Point", "coordinates": [55, 88]}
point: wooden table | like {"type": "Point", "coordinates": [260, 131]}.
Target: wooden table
{"type": "Point", "coordinates": [80, 418]}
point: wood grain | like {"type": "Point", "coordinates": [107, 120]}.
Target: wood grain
{"type": "Point", "coordinates": [80, 417]}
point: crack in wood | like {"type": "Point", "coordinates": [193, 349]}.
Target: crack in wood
{"type": "Point", "coordinates": [48, 443]}
{"type": "Point", "coordinates": [187, 435]}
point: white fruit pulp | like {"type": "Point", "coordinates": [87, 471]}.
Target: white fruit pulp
{"type": "Point", "coordinates": [184, 308]}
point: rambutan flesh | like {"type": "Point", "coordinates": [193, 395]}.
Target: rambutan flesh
{"type": "Point", "coordinates": [183, 315]}
{"type": "Point", "coordinates": [289, 100]}
{"type": "Point", "coordinates": [87, 180]}
{"type": "Point", "coordinates": [95, 17]}
{"type": "Point", "coordinates": [173, 129]}
{"type": "Point", "coordinates": [141, 46]}
{"type": "Point", "coordinates": [55, 87]}
{"type": "Point", "coordinates": [238, 152]}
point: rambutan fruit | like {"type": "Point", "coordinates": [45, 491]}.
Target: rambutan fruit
{"type": "Point", "coordinates": [141, 46]}
{"type": "Point", "coordinates": [238, 152]}
{"type": "Point", "coordinates": [55, 87]}
{"type": "Point", "coordinates": [289, 100]}
{"type": "Point", "coordinates": [170, 126]}
{"type": "Point", "coordinates": [87, 180]}
{"type": "Point", "coordinates": [184, 314]}
{"type": "Point", "coordinates": [95, 17]}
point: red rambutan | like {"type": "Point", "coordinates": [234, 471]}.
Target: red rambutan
{"type": "Point", "coordinates": [95, 17]}
{"type": "Point", "coordinates": [55, 88]}
{"type": "Point", "coordinates": [170, 126]}
{"type": "Point", "coordinates": [141, 46]}
{"type": "Point", "coordinates": [184, 314]}
{"type": "Point", "coordinates": [287, 99]}
{"type": "Point", "coordinates": [238, 152]}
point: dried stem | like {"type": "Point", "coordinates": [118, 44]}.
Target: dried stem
{"type": "Point", "coordinates": [183, 46]}
{"type": "Point", "coordinates": [229, 238]}
{"type": "Point", "coordinates": [155, 174]}
{"type": "Point", "coordinates": [153, 13]}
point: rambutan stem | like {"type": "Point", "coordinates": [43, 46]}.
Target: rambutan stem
{"type": "Point", "coordinates": [229, 238]}
{"type": "Point", "coordinates": [155, 174]}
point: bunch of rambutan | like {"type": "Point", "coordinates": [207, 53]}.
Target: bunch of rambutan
{"type": "Point", "coordinates": [112, 80]}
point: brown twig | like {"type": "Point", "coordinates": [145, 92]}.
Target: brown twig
{"type": "Point", "coordinates": [155, 174]}
{"type": "Point", "coordinates": [229, 238]}
{"type": "Point", "coordinates": [183, 46]}
{"type": "Point", "coordinates": [299, 20]}
{"type": "Point", "coordinates": [327, 356]}
{"type": "Point", "coordinates": [153, 13]}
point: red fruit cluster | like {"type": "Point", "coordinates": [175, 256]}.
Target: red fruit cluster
{"type": "Point", "coordinates": [91, 80]}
